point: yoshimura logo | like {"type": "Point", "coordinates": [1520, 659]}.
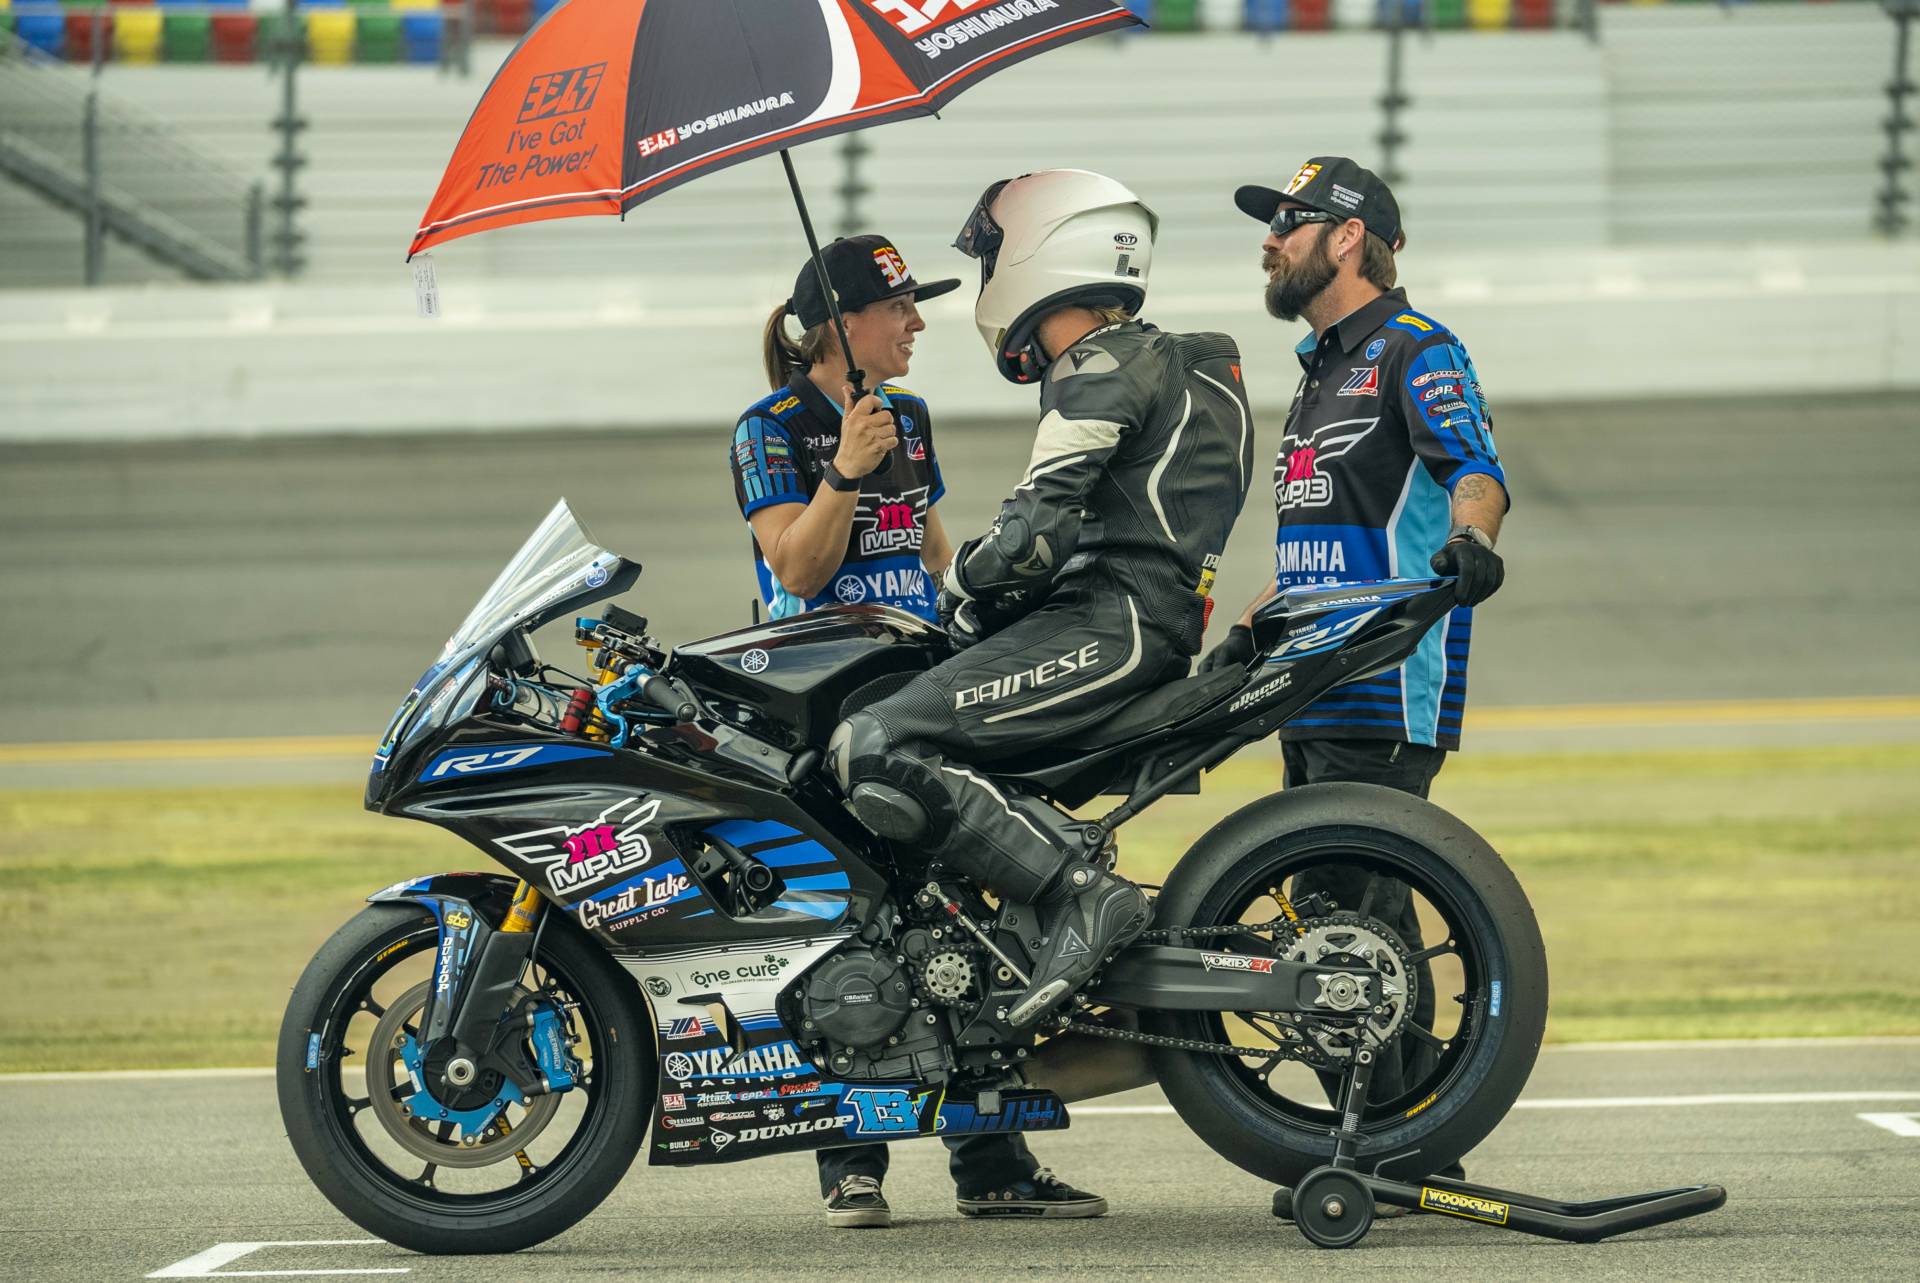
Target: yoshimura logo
{"type": "Point", "coordinates": [610, 844]}
{"type": "Point", "coordinates": [1236, 962]}
{"type": "Point", "coordinates": [561, 93]}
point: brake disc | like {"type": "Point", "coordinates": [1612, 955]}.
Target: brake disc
{"type": "Point", "coordinates": [401, 1097]}
{"type": "Point", "coordinates": [1377, 988]}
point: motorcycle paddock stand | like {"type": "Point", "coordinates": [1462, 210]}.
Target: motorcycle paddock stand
{"type": "Point", "coordinates": [1333, 1205]}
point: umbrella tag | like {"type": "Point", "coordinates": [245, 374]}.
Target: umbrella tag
{"type": "Point", "coordinates": [426, 290]}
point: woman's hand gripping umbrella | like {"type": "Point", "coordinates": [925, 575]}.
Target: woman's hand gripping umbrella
{"type": "Point", "coordinates": [606, 103]}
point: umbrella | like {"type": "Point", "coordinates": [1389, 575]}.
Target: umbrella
{"type": "Point", "coordinates": [607, 103]}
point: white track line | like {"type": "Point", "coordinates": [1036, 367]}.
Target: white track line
{"type": "Point", "coordinates": [1611, 1102]}
{"type": "Point", "coordinates": [1898, 1124]}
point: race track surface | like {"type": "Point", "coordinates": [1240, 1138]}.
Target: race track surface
{"type": "Point", "coordinates": [1676, 550]}
{"type": "Point", "coordinates": [116, 1179]}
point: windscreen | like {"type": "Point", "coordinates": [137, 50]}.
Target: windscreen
{"type": "Point", "coordinates": [559, 559]}
{"type": "Point", "coordinates": [557, 566]}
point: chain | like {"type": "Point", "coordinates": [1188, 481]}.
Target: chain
{"type": "Point", "coordinates": [1165, 934]}
{"type": "Point", "coordinates": [1302, 1052]}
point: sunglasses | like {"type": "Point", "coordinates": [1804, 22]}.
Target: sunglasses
{"type": "Point", "coordinates": [1284, 221]}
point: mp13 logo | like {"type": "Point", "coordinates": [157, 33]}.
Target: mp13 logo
{"type": "Point", "coordinates": [611, 843]}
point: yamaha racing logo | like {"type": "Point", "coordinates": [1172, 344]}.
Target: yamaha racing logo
{"type": "Point", "coordinates": [610, 844]}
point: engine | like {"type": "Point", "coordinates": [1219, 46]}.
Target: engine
{"type": "Point", "coordinates": [917, 997]}
{"type": "Point", "coordinates": [859, 999]}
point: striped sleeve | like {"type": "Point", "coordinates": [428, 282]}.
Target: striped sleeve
{"type": "Point", "coordinates": [1446, 414]}
{"type": "Point", "coordinates": [763, 470]}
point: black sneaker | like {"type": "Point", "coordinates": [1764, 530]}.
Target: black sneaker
{"type": "Point", "coordinates": [1041, 1194]}
{"type": "Point", "coordinates": [856, 1203]}
{"type": "Point", "coordinates": [1088, 916]}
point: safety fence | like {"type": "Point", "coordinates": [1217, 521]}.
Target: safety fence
{"type": "Point", "coordinates": [123, 170]}
{"type": "Point", "coordinates": [431, 31]}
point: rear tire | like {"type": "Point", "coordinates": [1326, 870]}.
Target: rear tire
{"type": "Point", "coordinates": [319, 1112]}
{"type": "Point", "coordinates": [1481, 1069]}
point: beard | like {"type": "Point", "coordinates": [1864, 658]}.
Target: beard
{"type": "Point", "coordinates": [1292, 286]}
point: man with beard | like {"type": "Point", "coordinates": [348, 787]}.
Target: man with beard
{"type": "Point", "coordinates": [1387, 470]}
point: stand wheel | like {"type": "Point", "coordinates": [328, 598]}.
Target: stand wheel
{"type": "Point", "coordinates": [1333, 1207]}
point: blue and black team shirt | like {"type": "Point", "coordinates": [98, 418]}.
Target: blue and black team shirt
{"type": "Point", "coordinates": [1388, 419]}
{"type": "Point", "coordinates": [781, 448]}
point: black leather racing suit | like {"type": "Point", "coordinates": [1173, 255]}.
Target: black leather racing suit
{"type": "Point", "coordinates": [1095, 575]}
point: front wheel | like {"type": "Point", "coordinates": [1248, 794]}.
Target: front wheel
{"type": "Point", "coordinates": [533, 1169]}
{"type": "Point", "coordinates": [1384, 883]}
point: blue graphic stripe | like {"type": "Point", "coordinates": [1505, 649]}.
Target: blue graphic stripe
{"type": "Point", "coordinates": [814, 908]}
{"type": "Point", "coordinates": [747, 832]}
{"type": "Point", "coordinates": [821, 882]}
{"type": "Point", "coordinates": [807, 852]}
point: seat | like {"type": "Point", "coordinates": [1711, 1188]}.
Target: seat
{"type": "Point", "coordinates": [1161, 707]}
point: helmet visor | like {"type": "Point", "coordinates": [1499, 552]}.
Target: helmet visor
{"type": "Point", "coordinates": [980, 236]}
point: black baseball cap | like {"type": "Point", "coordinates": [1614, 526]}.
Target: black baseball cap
{"type": "Point", "coordinates": [864, 269]}
{"type": "Point", "coordinates": [1333, 185]}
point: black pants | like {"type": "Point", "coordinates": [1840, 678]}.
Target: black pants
{"type": "Point", "coordinates": [978, 1163]}
{"type": "Point", "coordinates": [1070, 664]}
{"type": "Point", "coordinates": [1409, 768]}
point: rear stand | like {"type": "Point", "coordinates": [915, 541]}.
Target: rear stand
{"type": "Point", "coordinates": [1333, 1205]}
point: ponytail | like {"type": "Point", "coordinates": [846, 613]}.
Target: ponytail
{"type": "Point", "coordinates": [782, 354]}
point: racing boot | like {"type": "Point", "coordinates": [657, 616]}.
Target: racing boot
{"type": "Point", "coordinates": [1088, 916]}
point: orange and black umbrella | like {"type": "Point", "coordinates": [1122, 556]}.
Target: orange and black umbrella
{"type": "Point", "coordinates": [608, 102]}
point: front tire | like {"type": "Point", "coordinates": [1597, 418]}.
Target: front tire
{"type": "Point", "coordinates": [1492, 948]}
{"type": "Point", "coordinates": [356, 976]}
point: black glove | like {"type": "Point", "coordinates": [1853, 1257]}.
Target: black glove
{"type": "Point", "coordinates": [1235, 652]}
{"type": "Point", "coordinates": [960, 617]}
{"type": "Point", "coordinates": [1479, 570]}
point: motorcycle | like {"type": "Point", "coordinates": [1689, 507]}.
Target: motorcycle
{"type": "Point", "coordinates": [695, 947]}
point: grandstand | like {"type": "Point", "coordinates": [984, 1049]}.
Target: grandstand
{"type": "Point", "coordinates": [1638, 181]}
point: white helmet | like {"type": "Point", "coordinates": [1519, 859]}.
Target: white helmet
{"type": "Point", "coordinates": [1049, 240]}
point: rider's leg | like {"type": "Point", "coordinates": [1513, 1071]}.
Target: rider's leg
{"type": "Point", "coordinates": [1053, 674]}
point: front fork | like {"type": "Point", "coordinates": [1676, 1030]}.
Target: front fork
{"type": "Point", "coordinates": [474, 992]}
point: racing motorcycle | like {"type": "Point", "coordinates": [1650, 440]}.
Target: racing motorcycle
{"type": "Point", "coordinates": [696, 948]}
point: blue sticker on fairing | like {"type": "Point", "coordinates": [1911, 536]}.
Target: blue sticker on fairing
{"type": "Point", "coordinates": [457, 762]}
{"type": "Point", "coordinates": [1496, 997]}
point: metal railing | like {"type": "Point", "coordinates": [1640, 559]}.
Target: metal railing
{"type": "Point", "coordinates": [123, 170]}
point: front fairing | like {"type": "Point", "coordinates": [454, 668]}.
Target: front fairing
{"type": "Point", "coordinates": [559, 569]}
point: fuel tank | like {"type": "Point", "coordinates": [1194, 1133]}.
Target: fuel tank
{"type": "Point", "coordinates": [796, 672]}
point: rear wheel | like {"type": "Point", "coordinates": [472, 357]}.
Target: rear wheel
{"type": "Point", "coordinates": [532, 1171]}
{"type": "Point", "coordinates": [1462, 948]}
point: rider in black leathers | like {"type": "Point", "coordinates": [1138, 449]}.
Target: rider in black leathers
{"type": "Point", "coordinates": [1091, 587]}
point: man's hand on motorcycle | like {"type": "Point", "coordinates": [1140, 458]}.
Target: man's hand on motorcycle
{"type": "Point", "coordinates": [866, 434]}
{"type": "Point", "coordinates": [1479, 570]}
{"type": "Point", "coordinates": [1236, 651]}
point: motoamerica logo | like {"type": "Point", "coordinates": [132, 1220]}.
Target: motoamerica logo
{"type": "Point", "coordinates": [613, 843]}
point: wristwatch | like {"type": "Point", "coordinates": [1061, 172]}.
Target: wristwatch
{"type": "Point", "coordinates": [1474, 533]}
{"type": "Point", "coordinates": [835, 481]}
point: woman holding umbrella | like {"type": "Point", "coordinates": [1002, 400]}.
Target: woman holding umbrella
{"type": "Point", "coordinates": [832, 522]}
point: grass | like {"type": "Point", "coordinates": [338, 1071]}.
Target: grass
{"type": "Point", "coordinates": [1683, 894]}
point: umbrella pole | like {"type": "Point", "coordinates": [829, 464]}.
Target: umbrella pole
{"type": "Point", "coordinates": [855, 376]}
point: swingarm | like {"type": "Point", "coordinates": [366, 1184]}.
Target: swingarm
{"type": "Point", "coordinates": [1167, 978]}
